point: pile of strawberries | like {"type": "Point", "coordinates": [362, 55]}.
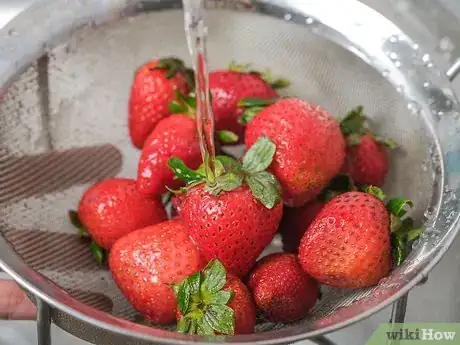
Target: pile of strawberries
{"type": "Point", "coordinates": [310, 177]}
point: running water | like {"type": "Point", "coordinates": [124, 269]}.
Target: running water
{"type": "Point", "coordinates": [196, 32]}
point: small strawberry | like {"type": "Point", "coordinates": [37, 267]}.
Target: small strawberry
{"type": "Point", "coordinates": [112, 209]}
{"type": "Point", "coordinates": [230, 86]}
{"type": "Point", "coordinates": [177, 136]}
{"type": "Point", "coordinates": [297, 220]}
{"type": "Point", "coordinates": [367, 159]}
{"type": "Point", "coordinates": [281, 289]}
{"type": "Point", "coordinates": [153, 88]}
{"type": "Point", "coordinates": [234, 217]}
{"type": "Point", "coordinates": [311, 148]}
{"type": "Point", "coordinates": [212, 302]}
{"type": "Point", "coordinates": [146, 262]}
{"type": "Point", "coordinates": [348, 244]}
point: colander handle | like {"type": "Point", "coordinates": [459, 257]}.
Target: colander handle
{"type": "Point", "coordinates": [454, 70]}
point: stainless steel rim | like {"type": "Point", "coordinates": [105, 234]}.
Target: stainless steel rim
{"type": "Point", "coordinates": [20, 50]}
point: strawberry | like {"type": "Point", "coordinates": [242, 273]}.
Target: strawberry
{"type": "Point", "coordinates": [281, 289]}
{"type": "Point", "coordinates": [212, 302]}
{"type": "Point", "coordinates": [153, 88]}
{"type": "Point", "coordinates": [230, 86]}
{"type": "Point", "coordinates": [311, 148]}
{"type": "Point", "coordinates": [348, 244]}
{"type": "Point", "coordinates": [297, 220]}
{"type": "Point", "coordinates": [234, 217]}
{"type": "Point", "coordinates": [146, 262]}
{"type": "Point", "coordinates": [367, 159]}
{"type": "Point", "coordinates": [112, 209]}
{"type": "Point", "coordinates": [176, 136]}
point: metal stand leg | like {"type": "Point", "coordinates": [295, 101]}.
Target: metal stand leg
{"type": "Point", "coordinates": [43, 323]}
{"type": "Point", "coordinates": [322, 340]}
{"type": "Point", "coordinates": [398, 315]}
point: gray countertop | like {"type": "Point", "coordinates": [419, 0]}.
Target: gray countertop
{"type": "Point", "coordinates": [437, 300]}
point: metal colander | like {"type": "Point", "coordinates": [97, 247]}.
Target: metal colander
{"type": "Point", "coordinates": [63, 126]}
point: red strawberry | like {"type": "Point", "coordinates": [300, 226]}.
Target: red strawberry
{"type": "Point", "coordinates": [113, 208]}
{"type": "Point", "coordinates": [367, 160]}
{"type": "Point", "coordinates": [212, 302]}
{"type": "Point", "coordinates": [296, 221]}
{"type": "Point", "coordinates": [228, 87]}
{"type": "Point", "coordinates": [311, 148]}
{"type": "Point", "coordinates": [281, 289]}
{"type": "Point", "coordinates": [177, 136]}
{"type": "Point", "coordinates": [154, 87]}
{"type": "Point", "coordinates": [236, 216]}
{"type": "Point", "coordinates": [144, 263]}
{"type": "Point", "coordinates": [348, 244]}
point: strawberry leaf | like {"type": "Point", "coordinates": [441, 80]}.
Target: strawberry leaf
{"type": "Point", "coordinates": [215, 276]}
{"type": "Point", "coordinates": [398, 248]}
{"type": "Point", "coordinates": [249, 114]}
{"type": "Point", "coordinates": [222, 297]}
{"type": "Point", "coordinates": [98, 253]}
{"type": "Point", "coordinates": [260, 156]}
{"type": "Point", "coordinates": [396, 206]}
{"type": "Point", "coordinates": [221, 318]}
{"type": "Point", "coordinates": [256, 102]}
{"type": "Point", "coordinates": [353, 122]}
{"type": "Point", "coordinates": [176, 108]}
{"type": "Point", "coordinates": [183, 297]}
{"type": "Point", "coordinates": [388, 143]}
{"type": "Point", "coordinates": [82, 232]}
{"type": "Point", "coordinates": [375, 191]}
{"type": "Point", "coordinates": [227, 137]}
{"type": "Point", "coordinates": [183, 172]}
{"type": "Point", "coordinates": [354, 139]}
{"type": "Point", "coordinates": [225, 183]}
{"type": "Point", "coordinates": [265, 188]}
{"type": "Point", "coordinates": [206, 312]}
{"type": "Point", "coordinates": [339, 185]}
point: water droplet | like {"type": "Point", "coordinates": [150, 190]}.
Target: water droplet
{"type": "Point", "coordinates": [385, 73]}
{"type": "Point", "coordinates": [399, 89]}
{"type": "Point", "coordinates": [393, 55]}
{"type": "Point", "coordinates": [429, 65]}
{"type": "Point", "coordinates": [394, 39]}
{"type": "Point", "coordinates": [446, 45]}
{"type": "Point", "coordinates": [440, 113]}
{"type": "Point", "coordinates": [415, 46]}
{"type": "Point", "coordinates": [426, 84]}
{"type": "Point", "coordinates": [309, 20]}
{"type": "Point", "coordinates": [426, 58]}
{"type": "Point", "coordinates": [287, 16]}
{"type": "Point", "coordinates": [398, 64]}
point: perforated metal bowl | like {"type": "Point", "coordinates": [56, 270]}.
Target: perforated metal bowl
{"type": "Point", "coordinates": [65, 73]}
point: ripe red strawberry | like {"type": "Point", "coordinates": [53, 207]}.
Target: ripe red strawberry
{"type": "Point", "coordinates": [153, 88]}
{"type": "Point", "coordinates": [144, 263]}
{"type": "Point", "coordinates": [348, 244]}
{"type": "Point", "coordinates": [113, 208]}
{"type": "Point", "coordinates": [296, 221]}
{"type": "Point", "coordinates": [367, 159]}
{"type": "Point", "coordinates": [281, 289]}
{"type": "Point", "coordinates": [176, 136]}
{"type": "Point", "coordinates": [237, 216]}
{"type": "Point", "coordinates": [212, 302]}
{"type": "Point", "coordinates": [230, 86]}
{"type": "Point", "coordinates": [311, 148]}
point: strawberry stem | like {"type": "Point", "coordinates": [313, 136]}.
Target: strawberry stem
{"type": "Point", "coordinates": [227, 137]}
{"type": "Point", "coordinates": [173, 66]}
{"type": "Point", "coordinates": [253, 106]}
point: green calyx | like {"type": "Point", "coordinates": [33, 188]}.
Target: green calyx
{"type": "Point", "coordinates": [203, 302]}
{"type": "Point", "coordinates": [173, 66]}
{"type": "Point", "coordinates": [266, 75]}
{"type": "Point", "coordinates": [252, 107]}
{"type": "Point", "coordinates": [183, 104]}
{"type": "Point", "coordinates": [354, 126]}
{"type": "Point", "coordinates": [402, 228]}
{"type": "Point", "coordinates": [99, 253]}
{"type": "Point", "coordinates": [231, 174]}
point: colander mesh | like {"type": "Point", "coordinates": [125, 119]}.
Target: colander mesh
{"type": "Point", "coordinates": [63, 126]}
